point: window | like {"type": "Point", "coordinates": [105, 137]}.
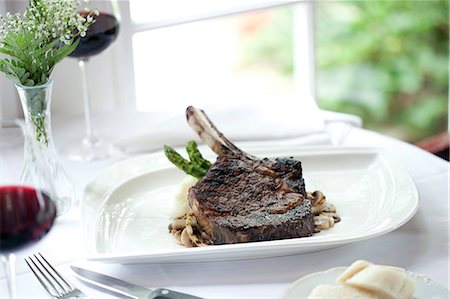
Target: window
{"type": "Point", "coordinates": [218, 56]}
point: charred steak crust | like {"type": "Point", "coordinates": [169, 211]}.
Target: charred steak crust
{"type": "Point", "coordinates": [245, 199]}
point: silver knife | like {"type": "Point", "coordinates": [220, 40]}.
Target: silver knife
{"type": "Point", "coordinates": [125, 288]}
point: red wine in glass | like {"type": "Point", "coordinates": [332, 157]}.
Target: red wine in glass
{"type": "Point", "coordinates": [98, 37]}
{"type": "Point", "coordinates": [26, 215]}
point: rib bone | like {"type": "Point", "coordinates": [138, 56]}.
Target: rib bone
{"type": "Point", "coordinates": [208, 132]}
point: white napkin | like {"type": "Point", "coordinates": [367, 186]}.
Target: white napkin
{"type": "Point", "coordinates": [277, 121]}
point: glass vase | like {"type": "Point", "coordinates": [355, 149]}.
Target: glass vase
{"type": "Point", "coordinates": [40, 158]}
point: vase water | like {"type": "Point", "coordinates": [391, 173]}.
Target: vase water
{"type": "Point", "coordinates": [40, 158]}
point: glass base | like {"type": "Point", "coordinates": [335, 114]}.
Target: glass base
{"type": "Point", "coordinates": [8, 263]}
{"type": "Point", "coordinates": [89, 149]}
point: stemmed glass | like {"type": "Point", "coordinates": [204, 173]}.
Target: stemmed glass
{"type": "Point", "coordinates": [26, 212]}
{"type": "Point", "coordinates": [99, 36]}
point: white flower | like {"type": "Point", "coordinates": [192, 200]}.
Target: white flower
{"type": "Point", "coordinates": [49, 19]}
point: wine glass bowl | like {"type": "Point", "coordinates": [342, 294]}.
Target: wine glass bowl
{"type": "Point", "coordinates": [99, 36]}
{"type": "Point", "coordinates": [27, 213]}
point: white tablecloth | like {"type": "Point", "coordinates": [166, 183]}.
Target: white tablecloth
{"type": "Point", "coordinates": [421, 245]}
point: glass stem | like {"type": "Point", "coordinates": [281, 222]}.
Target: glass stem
{"type": "Point", "coordinates": [91, 137]}
{"type": "Point", "coordinates": [9, 264]}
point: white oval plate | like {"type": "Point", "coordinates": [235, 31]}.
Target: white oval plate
{"type": "Point", "coordinates": [300, 289]}
{"type": "Point", "coordinates": [126, 209]}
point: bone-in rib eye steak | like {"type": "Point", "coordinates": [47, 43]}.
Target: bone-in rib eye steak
{"type": "Point", "coordinates": [243, 198]}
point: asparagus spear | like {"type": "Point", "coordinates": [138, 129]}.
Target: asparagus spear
{"type": "Point", "coordinates": [183, 164]}
{"type": "Point", "coordinates": [195, 155]}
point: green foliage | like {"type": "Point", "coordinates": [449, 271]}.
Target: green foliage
{"type": "Point", "coordinates": [34, 42]}
{"type": "Point", "coordinates": [31, 64]}
{"type": "Point", "coordinates": [38, 39]}
{"type": "Point", "coordinates": [386, 61]}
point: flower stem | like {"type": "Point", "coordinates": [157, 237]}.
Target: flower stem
{"type": "Point", "coordinates": [39, 126]}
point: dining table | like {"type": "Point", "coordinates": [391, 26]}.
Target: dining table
{"type": "Point", "coordinates": [420, 245]}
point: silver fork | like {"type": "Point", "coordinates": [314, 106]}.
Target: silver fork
{"type": "Point", "coordinates": [56, 285]}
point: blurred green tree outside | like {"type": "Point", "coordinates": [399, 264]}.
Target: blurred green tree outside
{"type": "Point", "coordinates": [386, 61]}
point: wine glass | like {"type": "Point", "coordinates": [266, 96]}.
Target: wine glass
{"type": "Point", "coordinates": [99, 36]}
{"type": "Point", "coordinates": [26, 212]}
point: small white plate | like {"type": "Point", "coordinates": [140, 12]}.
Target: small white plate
{"type": "Point", "coordinates": [127, 208]}
{"type": "Point", "coordinates": [300, 289]}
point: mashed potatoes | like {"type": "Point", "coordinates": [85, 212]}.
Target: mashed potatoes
{"type": "Point", "coordinates": [181, 205]}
